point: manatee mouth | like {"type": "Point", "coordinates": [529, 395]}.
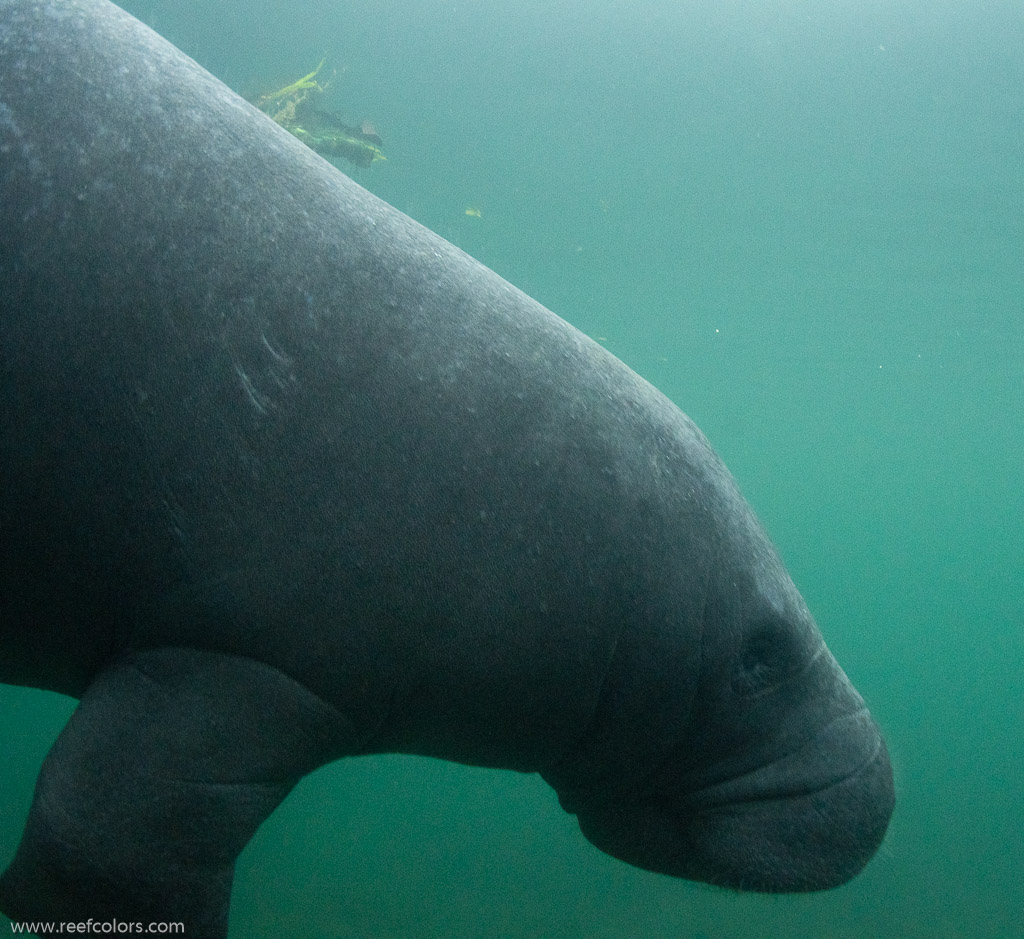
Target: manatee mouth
{"type": "Point", "coordinates": [810, 821]}
{"type": "Point", "coordinates": [756, 833]}
{"type": "Point", "coordinates": [843, 750]}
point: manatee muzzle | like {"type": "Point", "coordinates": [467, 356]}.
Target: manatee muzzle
{"type": "Point", "coordinates": [808, 821]}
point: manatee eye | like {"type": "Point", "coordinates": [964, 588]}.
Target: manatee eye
{"type": "Point", "coordinates": [772, 651]}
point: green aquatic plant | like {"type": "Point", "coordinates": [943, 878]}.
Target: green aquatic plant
{"type": "Point", "coordinates": [320, 130]}
{"type": "Point", "coordinates": [303, 84]}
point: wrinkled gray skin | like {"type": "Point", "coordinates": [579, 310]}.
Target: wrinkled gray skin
{"type": "Point", "coordinates": [286, 477]}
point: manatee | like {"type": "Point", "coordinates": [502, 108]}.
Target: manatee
{"type": "Point", "coordinates": [289, 478]}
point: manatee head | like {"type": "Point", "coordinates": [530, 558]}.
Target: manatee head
{"type": "Point", "coordinates": [784, 795]}
{"type": "Point", "coordinates": [766, 772]}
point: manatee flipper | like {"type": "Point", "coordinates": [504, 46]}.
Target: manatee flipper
{"type": "Point", "coordinates": [171, 762]}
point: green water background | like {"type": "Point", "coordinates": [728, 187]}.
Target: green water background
{"type": "Point", "coordinates": [804, 222]}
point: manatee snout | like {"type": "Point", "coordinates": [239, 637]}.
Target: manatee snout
{"type": "Point", "coordinates": [809, 821]}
